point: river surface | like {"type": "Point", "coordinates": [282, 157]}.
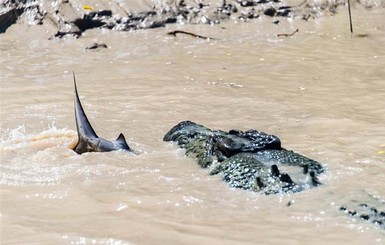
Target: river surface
{"type": "Point", "coordinates": [321, 91]}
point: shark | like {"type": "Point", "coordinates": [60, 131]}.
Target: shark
{"type": "Point", "coordinates": [88, 140]}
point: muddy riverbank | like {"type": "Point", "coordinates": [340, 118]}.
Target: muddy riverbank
{"type": "Point", "coordinates": [61, 18]}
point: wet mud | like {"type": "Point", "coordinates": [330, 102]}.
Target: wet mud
{"type": "Point", "coordinates": [72, 18]}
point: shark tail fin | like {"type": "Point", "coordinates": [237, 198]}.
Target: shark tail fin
{"type": "Point", "coordinates": [84, 128]}
{"type": "Point", "coordinates": [121, 140]}
{"type": "Point", "coordinates": [83, 125]}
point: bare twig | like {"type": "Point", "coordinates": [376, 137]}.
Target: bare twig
{"type": "Point", "coordinates": [188, 33]}
{"type": "Point", "coordinates": [287, 35]}
{"type": "Point", "coordinates": [350, 18]}
{"type": "Point", "coordinates": [306, 18]}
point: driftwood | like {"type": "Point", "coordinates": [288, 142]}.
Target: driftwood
{"type": "Point", "coordinates": [188, 33]}
{"type": "Point", "coordinates": [287, 35]}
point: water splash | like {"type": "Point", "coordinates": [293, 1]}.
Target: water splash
{"type": "Point", "coordinates": [36, 158]}
{"type": "Point", "coordinates": [18, 139]}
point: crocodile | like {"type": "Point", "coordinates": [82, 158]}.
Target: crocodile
{"type": "Point", "coordinates": [256, 161]}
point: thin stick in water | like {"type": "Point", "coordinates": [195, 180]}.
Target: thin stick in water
{"type": "Point", "coordinates": [188, 33]}
{"type": "Point", "coordinates": [350, 17]}
{"type": "Point", "coordinates": [287, 35]}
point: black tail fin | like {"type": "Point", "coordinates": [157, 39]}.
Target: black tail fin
{"type": "Point", "coordinates": [84, 128]}
{"type": "Point", "coordinates": [121, 140]}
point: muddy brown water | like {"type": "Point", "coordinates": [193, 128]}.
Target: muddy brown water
{"type": "Point", "coordinates": [321, 91]}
